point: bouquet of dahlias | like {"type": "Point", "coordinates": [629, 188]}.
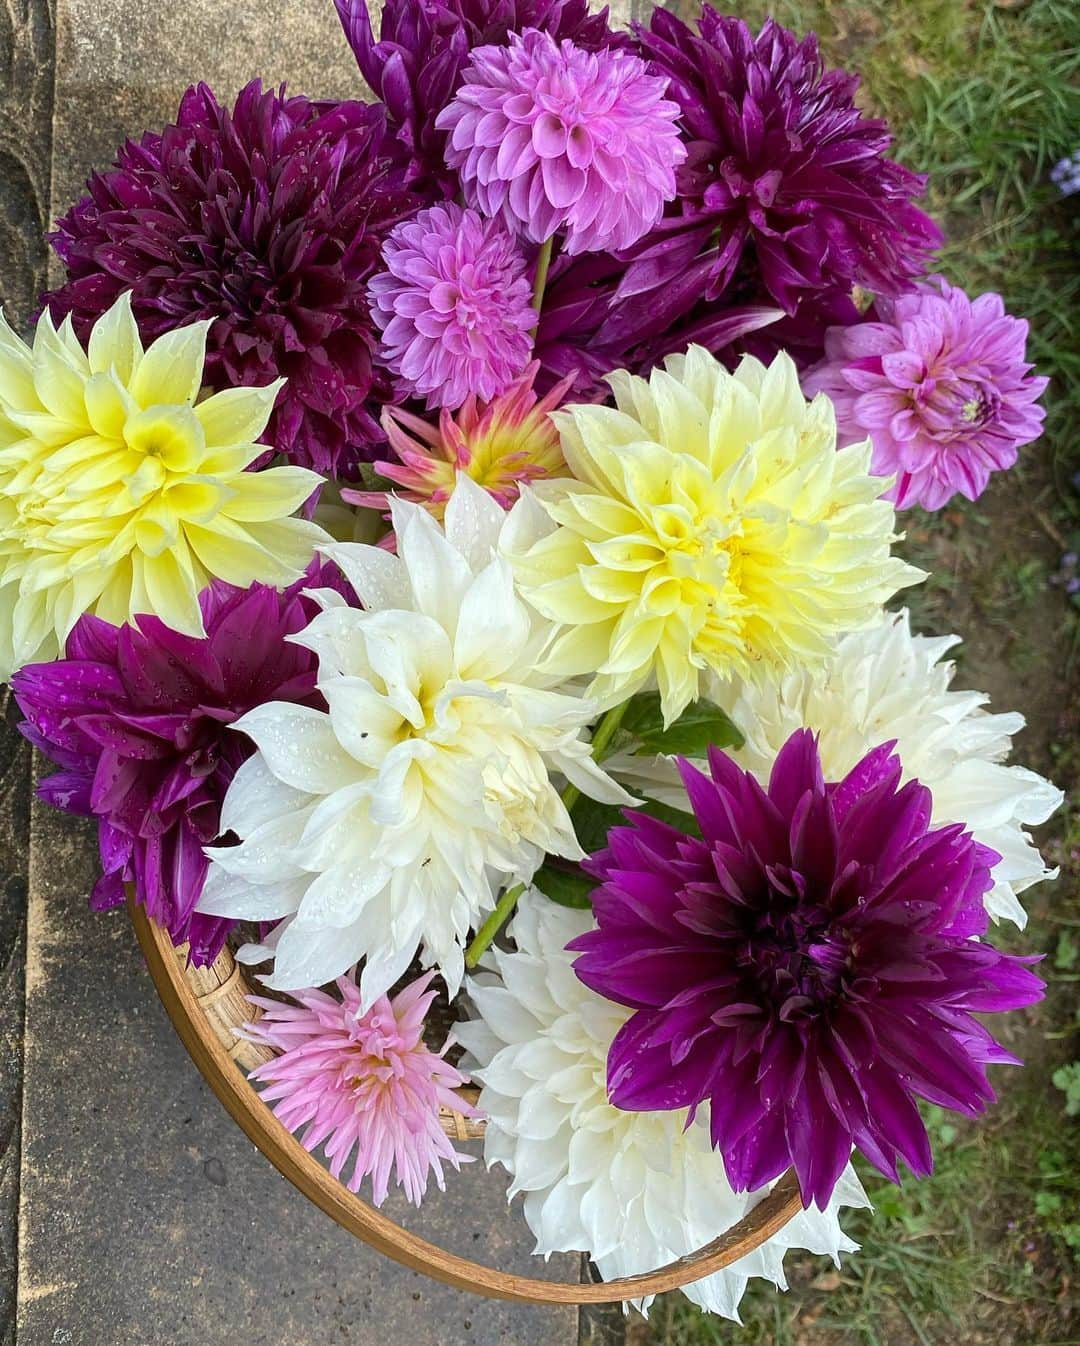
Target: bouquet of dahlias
{"type": "Point", "coordinates": [452, 533]}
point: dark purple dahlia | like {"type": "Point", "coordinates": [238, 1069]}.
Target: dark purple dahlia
{"type": "Point", "coordinates": [586, 331]}
{"type": "Point", "coordinates": [782, 165]}
{"type": "Point", "coordinates": [416, 65]}
{"type": "Point", "coordinates": [138, 721]}
{"type": "Point", "coordinates": [269, 218]}
{"type": "Point", "coordinates": [810, 966]}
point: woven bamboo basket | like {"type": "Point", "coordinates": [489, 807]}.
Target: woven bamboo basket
{"type": "Point", "coordinates": [207, 1005]}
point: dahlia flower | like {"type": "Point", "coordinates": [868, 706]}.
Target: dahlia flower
{"type": "Point", "coordinates": [362, 1084]}
{"type": "Point", "coordinates": [269, 218]}
{"type": "Point", "coordinates": [941, 387]}
{"type": "Point", "coordinates": [423, 47]}
{"type": "Point", "coordinates": [500, 445]}
{"type": "Point", "coordinates": [138, 719]}
{"type": "Point", "coordinates": [124, 493]}
{"type": "Point", "coordinates": [712, 526]}
{"type": "Point", "coordinates": [552, 138]}
{"type": "Point", "coordinates": [634, 1190]}
{"type": "Point", "coordinates": [808, 966]}
{"type": "Point", "coordinates": [384, 824]}
{"type": "Point", "coordinates": [454, 306]}
{"type": "Point", "coordinates": [887, 685]}
{"type": "Point", "coordinates": [781, 164]}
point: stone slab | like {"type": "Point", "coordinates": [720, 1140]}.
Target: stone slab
{"type": "Point", "coordinates": [26, 90]}
{"type": "Point", "coordinates": [14, 823]}
{"type": "Point", "coordinates": [26, 102]}
{"type": "Point", "coordinates": [121, 66]}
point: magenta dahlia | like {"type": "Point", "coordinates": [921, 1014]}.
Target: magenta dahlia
{"type": "Point", "coordinates": [809, 966]}
{"type": "Point", "coordinates": [782, 165]}
{"type": "Point", "coordinates": [138, 721]}
{"type": "Point", "coordinates": [552, 137]}
{"type": "Point", "coordinates": [270, 219]}
{"type": "Point", "coordinates": [364, 1085]}
{"type": "Point", "coordinates": [454, 305]}
{"type": "Point", "coordinates": [940, 385]}
{"type": "Point", "coordinates": [416, 65]}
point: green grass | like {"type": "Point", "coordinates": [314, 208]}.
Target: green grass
{"type": "Point", "coordinates": [984, 98]}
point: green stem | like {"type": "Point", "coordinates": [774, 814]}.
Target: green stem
{"type": "Point", "coordinates": [601, 743]}
{"type": "Point", "coordinates": [491, 927]}
{"type": "Point", "coordinates": [543, 261]}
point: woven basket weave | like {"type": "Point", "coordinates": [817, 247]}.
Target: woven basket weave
{"type": "Point", "coordinates": [207, 1005]}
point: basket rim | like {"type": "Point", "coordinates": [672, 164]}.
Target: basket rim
{"type": "Point", "coordinates": [352, 1213]}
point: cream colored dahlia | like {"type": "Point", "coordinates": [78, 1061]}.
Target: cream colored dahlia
{"type": "Point", "coordinates": [123, 493]}
{"type": "Point", "coordinates": [712, 528]}
{"type": "Point", "coordinates": [883, 685]}
{"type": "Point", "coordinates": [388, 823]}
{"type": "Point", "coordinates": [635, 1190]}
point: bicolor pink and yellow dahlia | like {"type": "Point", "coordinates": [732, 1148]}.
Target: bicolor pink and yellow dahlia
{"type": "Point", "coordinates": [499, 444]}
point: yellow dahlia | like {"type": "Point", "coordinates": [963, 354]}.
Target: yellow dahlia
{"type": "Point", "coordinates": [712, 526]}
{"type": "Point", "coordinates": [123, 493]}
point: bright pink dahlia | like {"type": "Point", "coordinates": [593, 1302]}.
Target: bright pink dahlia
{"type": "Point", "coordinates": [362, 1084]}
{"type": "Point", "coordinates": [138, 720]}
{"type": "Point", "coordinates": [940, 385]}
{"type": "Point", "coordinates": [556, 138]}
{"type": "Point", "coordinates": [454, 305]}
{"type": "Point", "coordinates": [810, 965]}
{"type": "Point", "coordinates": [268, 218]}
{"type": "Point", "coordinates": [423, 48]}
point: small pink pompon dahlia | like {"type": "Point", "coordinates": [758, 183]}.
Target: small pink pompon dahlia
{"type": "Point", "coordinates": [940, 386]}
{"type": "Point", "coordinates": [454, 305]}
{"type": "Point", "coordinates": [361, 1081]}
{"type": "Point", "coordinates": [553, 137]}
{"type": "Point", "coordinates": [499, 444]}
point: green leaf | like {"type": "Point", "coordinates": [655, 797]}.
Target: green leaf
{"type": "Point", "coordinates": [593, 821]}
{"type": "Point", "coordinates": [1067, 953]}
{"type": "Point", "coordinates": [699, 726]}
{"type": "Point", "coordinates": [569, 887]}
{"type": "Point", "coordinates": [565, 882]}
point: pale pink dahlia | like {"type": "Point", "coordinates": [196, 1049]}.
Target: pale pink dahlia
{"type": "Point", "coordinates": [499, 444]}
{"type": "Point", "coordinates": [454, 305]}
{"type": "Point", "coordinates": [553, 137]}
{"type": "Point", "coordinates": [363, 1082]}
{"type": "Point", "coordinates": [941, 387]}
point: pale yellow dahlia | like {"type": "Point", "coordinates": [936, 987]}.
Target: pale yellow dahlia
{"type": "Point", "coordinates": [712, 526]}
{"type": "Point", "coordinates": [124, 494]}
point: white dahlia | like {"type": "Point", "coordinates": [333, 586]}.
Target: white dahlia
{"type": "Point", "coordinates": [883, 684]}
{"type": "Point", "coordinates": [635, 1190]}
{"type": "Point", "coordinates": [389, 821]}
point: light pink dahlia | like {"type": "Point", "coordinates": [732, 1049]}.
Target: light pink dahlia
{"type": "Point", "coordinates": [553, 137]}
{"type": "Point", "coordinates": [499, 444]}
{"type": "Point", "coordinates": [454, 305]}
{"type": "Point", "coordinates": [363, 1082]}
{"type": "Point", "coordinates": [941, 387]}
